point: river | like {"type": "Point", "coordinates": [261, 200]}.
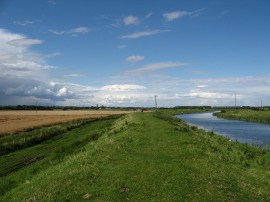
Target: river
{"type": "Point", "coordinates": [242, 131]}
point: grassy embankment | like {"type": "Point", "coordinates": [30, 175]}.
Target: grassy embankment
{"type": "Point", "coordinates": [258, 116]}
{"type": "Point", "coordinates": [145, 157]}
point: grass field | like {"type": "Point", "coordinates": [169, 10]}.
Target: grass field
{"type": "Point", "coordinates": [259, 116]}
{"type": "Point", "coordinates": [15, 120]}
{"type": "Point", "coordinates": [138, 157]}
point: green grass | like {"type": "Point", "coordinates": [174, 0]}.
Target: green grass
{"type": "Point", "coordinates": [151, 157]}
{"type": "Point", "coordinates": [251, 115]}
{"type": "Point", "coordinates": [33, 136]}
{"type": "Point", "coordinates": [19, 166]}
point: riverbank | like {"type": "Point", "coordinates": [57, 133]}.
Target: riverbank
{"type": "Point", "coordinates": [241, 131]}
{"type": "Point", "coordinates": [148, 157]}
{"type": "Point", "coordinates": [258, 116]}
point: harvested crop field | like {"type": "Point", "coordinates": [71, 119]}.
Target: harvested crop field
{"type": "Point", "coordinates": [18, 120]}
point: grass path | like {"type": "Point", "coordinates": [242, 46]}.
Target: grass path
{"type": "Point", "coordinates": [145, 157]}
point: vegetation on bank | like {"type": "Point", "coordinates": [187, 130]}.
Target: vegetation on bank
{"type": "Point", "coordinates": [252, 115]}
{"type": "Point", "coordinates": [142, 156]}
{"type": "Point", "coordinates": [18, 166]}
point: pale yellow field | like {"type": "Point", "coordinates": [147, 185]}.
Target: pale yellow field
{"type": "Point", "coordinates": [15, 120]}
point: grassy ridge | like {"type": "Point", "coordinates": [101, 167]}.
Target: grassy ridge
{"type": "Point", "coordinates": [258, 116]}
{"type": "Point", "coordinates": [21, 165]}
{"type": "Point", "coordinates": [153, 157]}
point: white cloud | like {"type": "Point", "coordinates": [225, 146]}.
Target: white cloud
{"type": "Point", "coordinates": [122, 46]}
{"type": "Point", "coordinates": [178, 14]}
{"type": "Point", "coordinates": [208, 95]}
{"type": "Point", "coordinates": [156, 66]}
{"type": "Point", "coordinates": [134, 58]}
{"type": "Point", "coordinates": [202, 86]}
{"type": "Point", "coordinates": [117, 23]}
{"type": "Point", "coordinates": [24, 77]}
{"type": "Point", "coordinates": [23, 88]}
{"type": "Point", "coordinates": [123, 87]}
{"type": "Point", "coordinates": [81, 30]}
{"type": "Point", "coordinates": [120, 100]}
{"type": "Point", "coordinates": [225, 12]}
{"type": "Point", "coordinates": [74, 75]}
{"type": "Point", "coordinates": [62, 91]}
{"type": "Point", "coordinates": [24, 72]}
{"type": "Point", "coordinates": [174, 15]}
{"type": "Point", "coordinates": [131, 20]}
{"type": "Point", "coordinates": [143, 34]}
{"type": "Point", "coordinates": [73, 32]}
{"type": "Point", "coordinates": [16, 60]}
{"type": "Point", "coordinates": [148, 15]}
{"type": "Point", "coordinates": [50, 55]}
{"type": "Point", "coordinates": [58, 32]}
{"type": "Point", "coordinates": [24, 42]}
{"type": "Point", "coordinates": [25, 22]}
{"type": "Point", "coordinates": [53, 2]}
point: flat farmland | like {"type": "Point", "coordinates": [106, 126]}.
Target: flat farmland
{"type": "Point", "coordinates": [19, 120]}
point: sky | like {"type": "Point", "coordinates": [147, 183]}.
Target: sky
{"type": "Point", "coordinates": [123, 53]}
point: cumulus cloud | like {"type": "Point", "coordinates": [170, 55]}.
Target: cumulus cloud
{"type": "Point", "coordinates": [131, 20]}
{"type": "Point", "coordinates": [134, 58]}
{"type": "Point", "coordinates": [37, 89]}
{"type": "Point", "coordinates": [24, 72]}
{"type": "Point", "coordinates": [16, 60]}
{"type": "Point", "coordinates": [24, 77]}
{"type": "Point", "coordinates": [156, 66]}
{"type": "Point", "coordinates": [143, 34]}
{"type": "Point", "coordinates": [73, 32]}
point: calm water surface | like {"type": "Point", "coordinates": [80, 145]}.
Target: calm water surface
{"type": "Point", "coordinates": [244, 132]}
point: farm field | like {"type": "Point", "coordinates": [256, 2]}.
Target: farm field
{"type": "Point", "coordinates": [19, 120]}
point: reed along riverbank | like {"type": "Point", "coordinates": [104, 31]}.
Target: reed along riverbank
{"type": "Point", "coordinates": [148, 157]}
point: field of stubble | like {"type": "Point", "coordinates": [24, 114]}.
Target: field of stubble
{"type": "Point", "coordinates": [18, 120]}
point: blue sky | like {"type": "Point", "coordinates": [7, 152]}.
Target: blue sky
{"type": "Point", "coordinates": [124, 52]}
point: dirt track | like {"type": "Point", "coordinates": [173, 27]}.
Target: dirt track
{"type": "Point", "coordinates": [15, 120]}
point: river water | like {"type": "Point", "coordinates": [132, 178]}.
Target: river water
{"type": "Point", "coordinates": [242, 131]}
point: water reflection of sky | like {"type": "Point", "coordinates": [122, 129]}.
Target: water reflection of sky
{"type": "Point", "coordinates": [244, 132]}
